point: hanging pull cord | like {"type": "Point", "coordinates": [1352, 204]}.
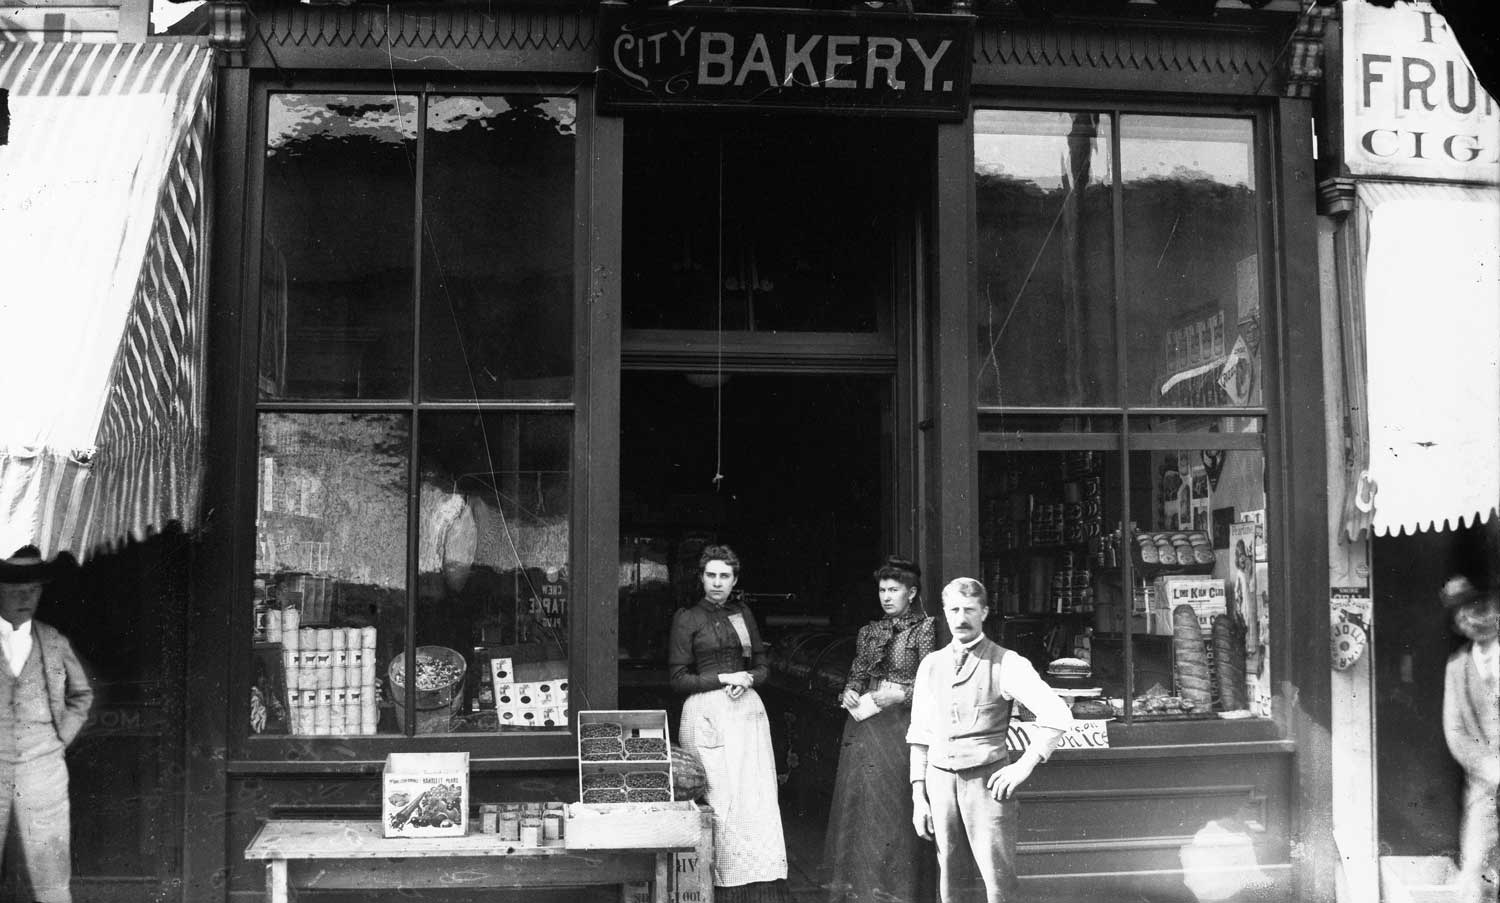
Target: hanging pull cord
{"type": "Point", "coordinates": [718, 479]}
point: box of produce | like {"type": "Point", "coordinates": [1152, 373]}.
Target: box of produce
{"type": "Point", "coordinates": [624, 756]}
{"type": "Point", "coordinates": [425, 795]}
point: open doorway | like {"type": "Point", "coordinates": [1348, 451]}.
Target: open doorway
{"type": "Point", "coordinates": [801, 496]}
{"type": "Point", "coordinates": [804, 499]}
{"type": "Point", "coordinates": [770, 293]}
{"type": "Point", "coordinates": [1420, 785]}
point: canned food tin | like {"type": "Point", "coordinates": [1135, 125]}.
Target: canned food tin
{"type": "Point", "coordinates": [531, 832]}
{"type": "Point", "coordinates": [508, 826]}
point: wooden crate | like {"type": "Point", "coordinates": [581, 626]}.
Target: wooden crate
{"type": "Point", "coordinates": [629, 826]}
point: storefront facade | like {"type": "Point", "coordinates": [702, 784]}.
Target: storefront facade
{"type": "Point", "coordinates": [1408, 189]}
{"type": "Point", "coordinates": [505, 324]}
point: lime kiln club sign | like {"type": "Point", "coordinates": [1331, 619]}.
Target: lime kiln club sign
{"type": "Point", "coordinates": [727, 58]}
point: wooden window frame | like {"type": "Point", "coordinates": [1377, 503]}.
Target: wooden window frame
{"type": "Point", "coordinates": [594, 458]}
{"type": "Point", "coordinates": [961, 443]}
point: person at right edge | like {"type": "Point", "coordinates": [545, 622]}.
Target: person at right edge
{"type": "Point", "coordinates": [963, 783]}
{"type": "Point", "coordinates": [1471, 725]}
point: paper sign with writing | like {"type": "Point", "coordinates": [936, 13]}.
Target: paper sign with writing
{"type": "Point", "coordinates": [1089, 734]}
{"type": "Point", "coordinates": [1413, 107]}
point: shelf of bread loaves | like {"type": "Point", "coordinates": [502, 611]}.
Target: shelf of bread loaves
{"type": "Point", "coordinates": [1170, 552]}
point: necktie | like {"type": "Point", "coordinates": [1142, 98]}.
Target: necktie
{"type": "Point", "coordinates": [958, 664]}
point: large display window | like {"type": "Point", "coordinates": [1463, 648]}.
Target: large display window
{"type": "Point", "coordinates": [1124, 496]}
{"type": "Point", "coordinates": [415, 425]}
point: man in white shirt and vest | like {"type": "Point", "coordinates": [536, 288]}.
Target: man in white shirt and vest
{"type": "Point", "coordinates": [1471, 726]}
{"type": "Point", "coordinates": [962, 779]}
{"type": "Point", "coordinates": [44, 701]}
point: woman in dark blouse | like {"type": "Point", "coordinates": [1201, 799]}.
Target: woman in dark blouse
{"type": "Point", "coordinates": [716, 658]}
{"type": "Point", "coordinates": [871, 851]}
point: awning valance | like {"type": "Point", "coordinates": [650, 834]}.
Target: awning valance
{"type": "Point", "coordinates": [1431, 320]}
{"type": "Point", "coordinates": [102, 209]}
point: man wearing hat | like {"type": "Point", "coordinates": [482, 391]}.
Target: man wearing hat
{"type": "Point", "coordinates": [1471, 725]}
{"type": "Point", "coordinates": [44, 700]}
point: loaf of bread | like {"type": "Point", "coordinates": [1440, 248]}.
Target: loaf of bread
{"type": "Point", "coordinates": [1190, 659]}
{"type": "Point", "coordinates": [1229, 662]}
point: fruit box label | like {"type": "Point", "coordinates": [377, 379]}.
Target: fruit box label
{"type": "Point", "coordinates": [431, 801]}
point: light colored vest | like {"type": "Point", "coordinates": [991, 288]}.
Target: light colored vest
{"type": "Point", "coordinates": [26, 728]}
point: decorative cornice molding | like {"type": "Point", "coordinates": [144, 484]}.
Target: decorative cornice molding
{"type": "Point", "coordinates": [429, 37]}
{"type": "Point", "coordinates": [1196, 60]}
{"type": "Point", "coordinates": [1304, 60]}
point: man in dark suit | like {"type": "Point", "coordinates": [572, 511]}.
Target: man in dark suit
{"type": "Point", "coordinates": [1471, 725]}
{"type": "Point", "coordinates": [962, 780]}
{"type": "Point", "coordinates": [44, 701]}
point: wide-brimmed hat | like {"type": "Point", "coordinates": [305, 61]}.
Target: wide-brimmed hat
{"type": "Point", "coordinates": [1458, 592]}
{"type": "Point", "coordinates": [26, 565]}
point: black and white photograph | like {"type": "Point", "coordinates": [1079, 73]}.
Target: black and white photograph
{"type": "Point", "coordinates": [749, 451]}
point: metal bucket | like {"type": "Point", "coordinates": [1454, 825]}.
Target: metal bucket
{"type": "Point", "coordinates": [436, 706]}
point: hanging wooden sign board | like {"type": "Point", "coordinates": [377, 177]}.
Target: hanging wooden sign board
{"type": "Point", "coordinates": [686, 58]}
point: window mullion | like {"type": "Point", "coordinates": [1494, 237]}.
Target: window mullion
{"type": "Point", "coordinates": [1122, 386]}
{"type": "Point", "coordinates": [414, 475]}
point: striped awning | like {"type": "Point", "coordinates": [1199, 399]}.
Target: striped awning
{"type": "Point", "coordinates": [102, 289]}
{"type": "Point", "coordinates": [1430, 321]}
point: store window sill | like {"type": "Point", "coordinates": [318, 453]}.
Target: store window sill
{"type": "Point", "coordinates": [1166, 739]}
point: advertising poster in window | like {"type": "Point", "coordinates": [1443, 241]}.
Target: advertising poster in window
{"type": "Point", "coordinates": [1251, 583]}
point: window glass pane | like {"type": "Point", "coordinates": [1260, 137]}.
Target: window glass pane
{"type": "Point", "coordinates": [330, 571]}
{"type": "Point", "coordinates": [336, 254]}
{"type": "Point", "coordinates": [765, 221]}
{"type": "Point", "coordinates": [1055, 563]}
{"type": "Point", "coordinates": [1046, 550]}
{"type": "Point", "coordinates": [497, 249]}
{"type": "Point", "coordinates": [1198, 540]}
{"type": "Point", "coordinates": [1046, 271]}
{"type": "Point", "coordinates": [494, 592]}
{"type": "Point", "coordinates": [1192, 263]}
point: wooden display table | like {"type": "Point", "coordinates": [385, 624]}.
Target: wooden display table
{"type": "Point", "coordinates": [353, 855]}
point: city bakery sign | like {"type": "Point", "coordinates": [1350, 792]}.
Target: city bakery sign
{"type": "Point", "coordinates": [757, 59]}
{"type": "Point", "coordinates": [1412, 106]}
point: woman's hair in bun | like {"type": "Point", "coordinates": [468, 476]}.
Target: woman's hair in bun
{"type": "Point", "coordinates": [902, 570]}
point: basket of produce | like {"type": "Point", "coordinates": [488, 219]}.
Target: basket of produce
{"type": "Point", "coordinates": [440, 683]}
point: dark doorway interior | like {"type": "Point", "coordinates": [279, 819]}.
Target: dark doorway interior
{"type": "Point", "coordinates": [803, 502]}
{"type": "Point", "coordinates": [1420, 786]}
{"type": "Point", "coordinates": [801, 496]}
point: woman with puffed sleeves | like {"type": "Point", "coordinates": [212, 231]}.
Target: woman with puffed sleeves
{"type": "Point", "coordinates": [716, 659]}
{"type": "Point", "coordinates": [871, 852]}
